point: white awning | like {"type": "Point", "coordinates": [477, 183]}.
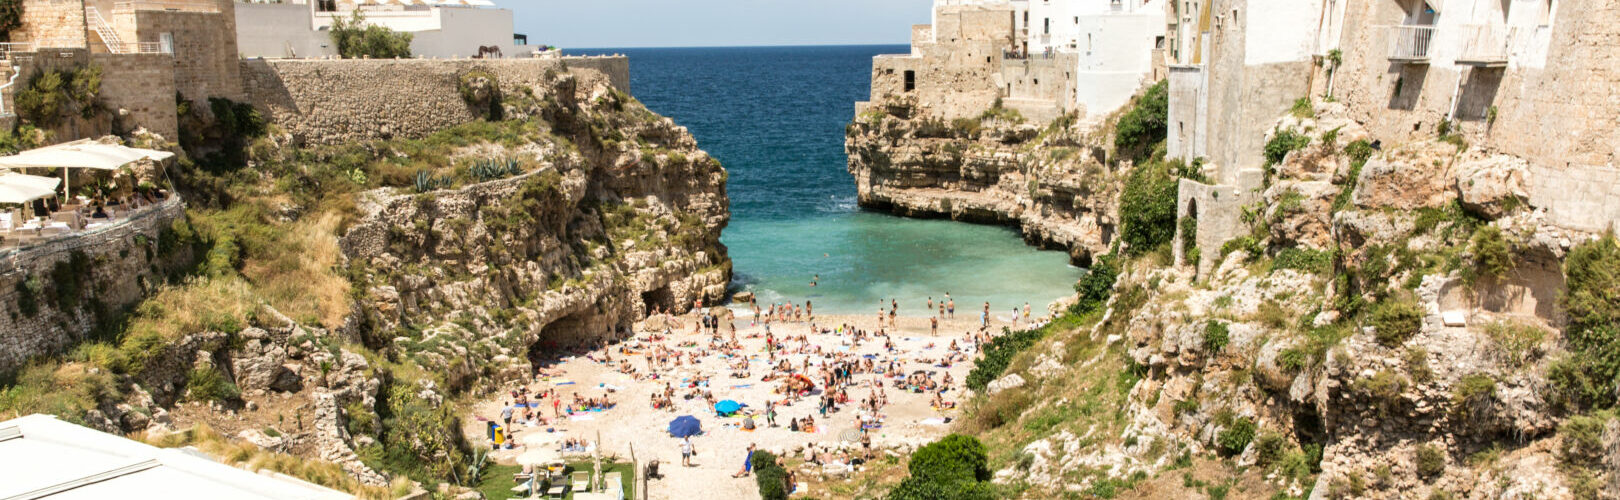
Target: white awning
{"type": "Point", "coordinates": [19, 188]}
{"type": "Point", "coordinates": [480, 3]}
{"type": "Point", "coordinates": [82, 154]}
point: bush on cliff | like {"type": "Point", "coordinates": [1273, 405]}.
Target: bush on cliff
{"type": "Point", "coordinates": [355, 39]}
{"type": "Point", "coordinates": [1144, 125]}
{"type": "Point", "coordinates": [57, 94]}
{"type": "Point", "coordinates": [11, 12]}
{"type": "Point", "coordinates": [1147, 208]}
{"type": "Point", "coordinates": [955, 467]}
{"type": "Point", "coordinates": [1592, 273]}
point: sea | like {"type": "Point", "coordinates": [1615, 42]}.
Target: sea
{"type": "Point", "coordinates": [775, 117]}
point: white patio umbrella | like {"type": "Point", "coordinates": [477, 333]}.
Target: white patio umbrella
{"type": "Point", "coordinates": [81, 154]}
{"type": "Point", "coordinates": [539, 457]}
{"type": "Point", "coordinates": [22, 194]}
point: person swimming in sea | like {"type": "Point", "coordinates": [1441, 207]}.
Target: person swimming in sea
{"type": "Point", "coordinates": [814, 279]}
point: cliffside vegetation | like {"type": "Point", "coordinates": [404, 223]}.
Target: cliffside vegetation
{"type": "Point", "coordinates": [357, 40]}
{"type": "Point", "coordinates": [1312, 358]}
{"type": "Point", "coordinates": [271, 286]}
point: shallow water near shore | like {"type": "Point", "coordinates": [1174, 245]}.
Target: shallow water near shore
{"type": "Point", "coordinates": [775, 117]}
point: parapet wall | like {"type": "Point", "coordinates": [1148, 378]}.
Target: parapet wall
{"type": "Point", "coordinates": [333, 101]}
{"type": "Point", "coordinates": [120, 263]}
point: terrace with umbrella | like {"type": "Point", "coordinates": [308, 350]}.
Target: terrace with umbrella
{"type": "Point", "coordinates": [76, 187]}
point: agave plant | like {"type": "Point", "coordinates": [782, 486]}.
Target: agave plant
{"type": "Point", "coordinates": [426, 181]}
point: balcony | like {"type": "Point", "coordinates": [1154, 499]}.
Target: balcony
{"type": "Point", "coordinates": [1410, 44]}
{"type": "Point", "coordinates": [1487, 46]}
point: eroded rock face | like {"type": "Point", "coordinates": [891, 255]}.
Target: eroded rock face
{"type": "Point", "coordinates": [1418, 176]}
{"type": "Point", "coordinates": [1055, 187]}
{"type": "Point", "coordinates": [574, 251]}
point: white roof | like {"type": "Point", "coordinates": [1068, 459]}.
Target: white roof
{"type": "Point", "coordinates": [82, 154]}
{"type": "Point", "coordinates": [19, 188]}
{"type": "Point", "coordinates": [42, 457]}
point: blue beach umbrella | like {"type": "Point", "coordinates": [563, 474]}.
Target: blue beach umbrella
{"type": "Point", "coordinates": [685, 425]}
{"type": "Point", "coordinates": [727, 407]}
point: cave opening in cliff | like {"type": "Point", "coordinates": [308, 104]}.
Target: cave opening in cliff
{"type": "Point", "coordinates": [580, 329]}
{"type": "Point", "coordinates": [658, 299]}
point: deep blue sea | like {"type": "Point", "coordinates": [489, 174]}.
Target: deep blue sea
{"type": "Point", "coordinates": [774, 117]}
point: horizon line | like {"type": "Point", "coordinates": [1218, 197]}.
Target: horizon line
{"type": "Point", "coordinates": [781, 46]}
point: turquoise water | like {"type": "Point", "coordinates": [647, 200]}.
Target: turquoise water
{"type": "Point", "coordinates": [775, 116]}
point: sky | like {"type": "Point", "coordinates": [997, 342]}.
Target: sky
{"type": "Point", "coordinates": [714, 23]}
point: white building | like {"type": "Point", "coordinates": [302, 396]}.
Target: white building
{"type": "Point", "coordinates": [45, 458]}
{"type": "Point", "coordinates": [439, 28]}
{"type": "Point", "coordinates": [1113, 42]}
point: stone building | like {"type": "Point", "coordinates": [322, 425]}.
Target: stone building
{"type": "Point", "coordinates": [1043, 58]}
{"type": "Point", "coordinates": [439, 28]}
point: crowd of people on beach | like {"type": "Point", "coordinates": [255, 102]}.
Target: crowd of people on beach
{"type": "Point", "coordinates": [844, 382]}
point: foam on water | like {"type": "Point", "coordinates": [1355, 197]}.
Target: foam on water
{"type": "Point", "coordinates": [775, 117]}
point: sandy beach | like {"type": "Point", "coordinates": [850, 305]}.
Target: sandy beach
{"type": "Point", "coordinates": [907, 417]}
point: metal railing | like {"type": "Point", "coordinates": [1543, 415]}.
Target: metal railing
{"type": "Point", "coordinates": [6, 49]}
{"type": "Point", "coordinates": [1410, 43]}
{"type": "Point", "coordinates": [141, 48]}
{"type": "Point", "coordinates": [170, 5]}
{"type": "Point", "coordinates": [1487, 45]}
{"type": "Point", "coordinates": [109, 36]}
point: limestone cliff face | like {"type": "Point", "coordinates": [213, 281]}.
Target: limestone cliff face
{"type": "Point", "coordinates": [622, 216]}
{"type": "Point", "coordinates": [1049, 182]}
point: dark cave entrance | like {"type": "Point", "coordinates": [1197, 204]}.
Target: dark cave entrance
{"type": "Point", "coordinates": [657, 299]}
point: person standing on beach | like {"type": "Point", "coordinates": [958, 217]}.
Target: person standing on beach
{"type": "Point", "coordinates": [950, 306]}
{"type": "Point", "coordinates": [687, 451]}
{"type": "Point", "coordinates": [933, 326]}
{"type": "Point", "coordinates": [1026, 312]}
{"type": "Point", "coordinates": [808, 312]}
{"type": "Point", "coordinates": [506, 414]}
{"type": "Point", "coordinates": [930, 304]}
{"type": "Point", "coordinates": [770, 413]}
{"type": "Point", "coordinates": [941, 308]}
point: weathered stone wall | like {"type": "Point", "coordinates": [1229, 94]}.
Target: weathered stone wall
{"type": "Point", "coordinates": [1558, 115]}
{"type": "Point", "coordinates": [956, 67]}
{"type": "Point", "coordinates": [137, 89]}
{"type": "Point", "coordinates": [330, 101]}
{"type": "Point", "coordinates": [205, 56]}
{"type": "Point", "coordinates": [52, 23]}
{"type": "Point", "coordinates": [123, 261]}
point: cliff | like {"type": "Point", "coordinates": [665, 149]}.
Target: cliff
{"type": "Point", "coordinates": [1049, 180]}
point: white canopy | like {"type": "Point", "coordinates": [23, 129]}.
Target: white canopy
{"type": "Point", "coordinates": [82, 154]}
{"type": "Point", "coordinates": [15, 191]}
{"type": "Point", "coordinates": [34, 181]}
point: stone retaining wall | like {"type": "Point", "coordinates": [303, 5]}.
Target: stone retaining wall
{"type": "Point", "coordinates": [323, 101]}
{"type": "Point", "coordinates": [123, 259]}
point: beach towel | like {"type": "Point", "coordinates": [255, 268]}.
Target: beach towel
{"type": "Point", "coordinates": [562, 381]}
{"type": "Point", "coordinates": [581, 417]}
{"type": "Point", "coordinates": [932, 421]}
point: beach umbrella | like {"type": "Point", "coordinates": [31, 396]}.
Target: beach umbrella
{"type": "Point", "coordinates": [850, 435]}
{"type": "Point", "coordinates": [685, 425]}
{"type": "Point", "coordinates": [727, 407]}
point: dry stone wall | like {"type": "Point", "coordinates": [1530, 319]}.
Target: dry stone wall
{"type": "Point", "coordinates": [119, 263]}
{"type": "Point", "coordinates": [334, 101]}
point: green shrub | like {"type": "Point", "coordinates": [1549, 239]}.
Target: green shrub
{"type": "Point", "coordinates": [955, 467]}
{"type": "Point", "coordinates": [955, 457]}
{"type": "Point", "coordinates": [1417, 364]}
{"type": "Point", "coordinates": [1216, 336]}
{"type": "Point", "coordinates": [210, 385]}
{"type": "Point", "coordinates": [1234, 438]}
{"type": "Point", "coordinates": [1492, 255]}
{"type": "Point", "coordinates": [1431, 460]}
{"type": "Point", "coordinates": [1383, 388]}
{"type": "Point", "coordinates": [1284, 141]}
{"type": "Point", "coordinates": [1148, 208]}
{"type": "Point", "coordinates": [1582, 440]}
{"type": "Point", "coordinates": [1303, 259]}
{"type": "Point", "coordinates": [1302, 108]}
{"type": "Point", "coordinates": [1144, 125]}
{"type": "Point", "coordinates": [771, 478]}
{"type": "Point", "coordinates": [1472, 394]}
{"type": "Point", "coordinates": [1292, 360]}
{"type": "Point", "coordinates": [355, 39]}
{"type": "Point", "coordinates": [11, 13]}
{"type": "Point", "coordinates": [1096, 286]}
{"type": "Point", "coordinates": [55, 94]}
{"type": "Point", "coordinates": [1592, 275]}
{"type": "Point", "coordinates": [1515, 343]}
{"type": "Point", "coordinates": [1395, 321]}
{"type": "Point", "coordinates": [999, 353]}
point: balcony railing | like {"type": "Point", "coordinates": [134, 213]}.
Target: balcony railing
{"type": "Point", "coordinates": [142, 48]}
{"type": "Point", "coordinates": [1410, 43]}
{"type": "Point", "coordinates": [1487, 45]}
{"type": "Point", "coordinates": [7, 49]}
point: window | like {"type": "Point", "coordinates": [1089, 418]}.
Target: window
{"type": "Point", "coordinates": [166, 43]}
{"type": "Point", "coordinates": [1046, 27]}
{"type": "Point", "coordinates": [911, 80]}
{"type": "Point", "coordinates": [326, 5]}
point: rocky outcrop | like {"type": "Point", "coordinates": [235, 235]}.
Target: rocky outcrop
{"type": "Point", "coordinates": [1046, 180]}
{"type": "Point", "coordinates": [600, 233]}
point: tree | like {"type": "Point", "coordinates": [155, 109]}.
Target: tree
{"type": "Point", "coordinates": [355, 39]}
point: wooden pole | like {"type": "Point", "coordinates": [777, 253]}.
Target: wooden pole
{"type": "Point", "coordinates": [635, 472]}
